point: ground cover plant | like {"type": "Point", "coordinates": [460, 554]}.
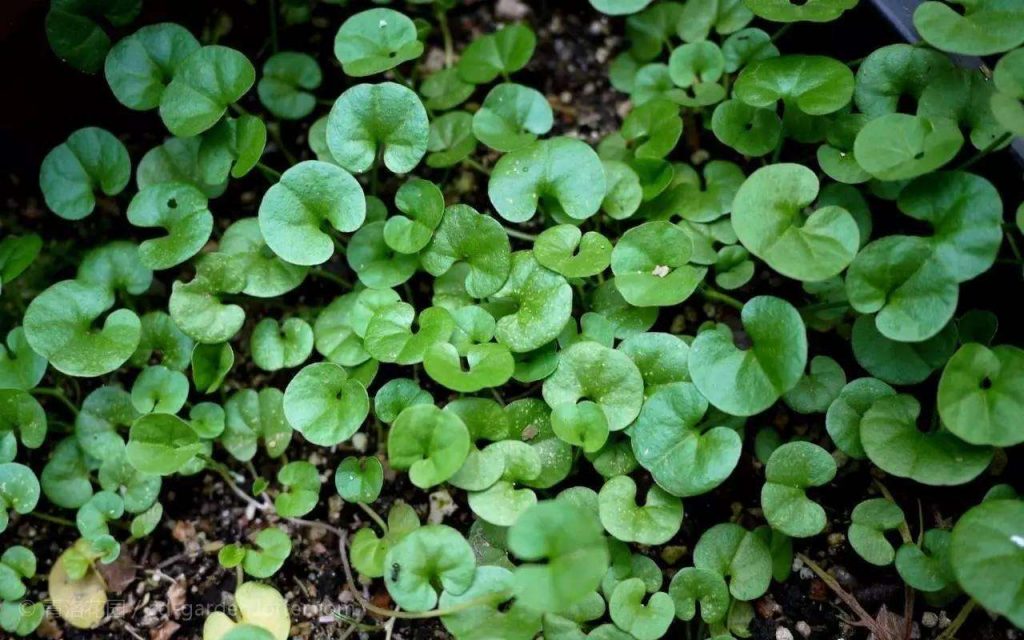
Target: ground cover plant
{"type": "Point", "coordinates": [482, 376]}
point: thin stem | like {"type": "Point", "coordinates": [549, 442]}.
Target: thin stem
{"type": "Point", "coordinates": [329, 275]}
{"type": "Point", "coordinates": [865, 618]}
{"type": "Point", "coordinates": [406, 615]}
{"type": "Point", "coordinates": [272, 174]}
{"type": "Point", "coordinates": [374, 516]}
{"type": "Point", "coordinates": [273, 24]}
{"type": "Point", "coordinates": [64, 522]}
{"type": "Point", "coordinates": [958, 621]}
{"type": "Point", "coordinates": [781, 31]}
{"type": "Point", "coordinates": [998, 142]}
{"type": "Point", "coordinates": [529, 237]}
{"type": "Point", "coordinates": [824, 306]}
{"type": "Point", "coordinates": [470, 162]}
{"type": "Point", "coordinates": [714, 295]}
{"type": "Point", "coordinates": [225, 474]}
{"type": "Point", "coordinates": [58, 395]}
{"type": "Point", "coordinates": [446, 34]}
{"type": "Point", "coordinates": [275, 134]}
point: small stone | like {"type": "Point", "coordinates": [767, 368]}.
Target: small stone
{"type": "Point", "coordinates": [673, 553]}
{"type": "Point", "coordinates": [803, 629]}
{"type": "Point", "coordinates": [944, 620]}
{"type": "Point", "coordinates": [836, 539]}
{"type": "Point", "coordinates": [782, 633]}
{"type": "Point", "coordinates": [661, 271]}
{"type": "Point", "coordinates": [806, 573]}
{"type": "Point", "coordinates": [511, 10]}
{"type": "Point", "coordinates": [441, 506]}
{"type": "Point", "coordinates": [929, 620]}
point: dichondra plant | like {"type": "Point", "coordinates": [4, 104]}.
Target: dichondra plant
{"type": "Point", "coordinates": [641, 365]}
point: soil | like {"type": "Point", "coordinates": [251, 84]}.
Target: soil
{"type": "Point", "coordinates": [167, 584]}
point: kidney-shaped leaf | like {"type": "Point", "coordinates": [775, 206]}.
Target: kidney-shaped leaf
{"type": "Point", "coordinates": [376, 40]}
{"type": "Point", "coordinates": [432, 444]}
{"type": "Point", "coordinates": [980, 28]}
{"type": "Point", "coordinates": [816, 85]}
{"type": "Point", "coordinates": [385, 118]}
{"type": "Point", "coordinates": [181, 210]}
{"type": "Point", "coordinates": [205, 84]}
{"type": "Point", "coordinates": [90, 160]}
{"type": "Point", "coordinates": [981, 395]}
{"type": "Point", "coordinates": [139, 66]}
{"type": "Point", "coordinates": [324, 404]}
{"type": "Point", "coordinates": [987, 559]}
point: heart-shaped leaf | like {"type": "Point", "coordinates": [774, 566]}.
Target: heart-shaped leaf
{"type": "Point", "coordinates": [791, 469]}
{"type": "Point", "coordinates": [376, 40]}
{"type": "Point", "coordinates": [737, 554]}
{"type": "Point", "coordinates": [385, 118]}
{"type": "Point", "coordinates": [500, 53]}
{"type": "Point", "coordinates": [434, 554]}
{"type": "Point", "coordinates": [20, 366]}
{"type": "Point", "coordinates": [656, 522]}
{"type": "Point", "coordinates": [692, 585]}
{"type": "Point", "coordinates": [59, 325]}
{"type": "Point", "coordinates": [303, 489]}
{"type": "Point", "coordinates": [139, 66]}
{"type": "Point", "coordinates": [465, 235]}
{"type": "Point", "coordinates": [746, 382]}
{"type": "Point", "coordinates": [251, 416]}
{"type": "Point", "coordinates": [287, 82]}
{"type": "Point", "coordinates": [181, 210]}
{"type": "Point", "coordinates": [979, 29]}
{"type": "Point", "coordinates": [196, 307]}
{"type": "Point", "coordinates": [278, 346]}
{"type": "Point", "coordinates": [748, 130]}
{"type": "Point", "coordinates": [204, 85]}
{"type": "Point", "coordinates": [815, 85]}
{"type": "Point", "coordinates": [979, 397]}
{"type": "Point", "coordinates": [642, 621]}
{"type": "Point", "coordinates": [845, 413]}
{"type": "Point", "coordinates": [809, 11]}
{"type": "Point", "coordinates": [898, 146]}
{"type": "Point", "coordinates": [90, 160]}
{"type": "Point", "coordinates": [432, 444]}
{"type": "Point", "coordinates": [607, 377]}
{"type": "Point", "coordinates": [423, 205]}
{"type": "Point", "coordinates": [985, 553]}
{"type": "Point", "coordinates": [161, 444]}
{"type": "Point", "coordinates": [267, 275]}
{"type": "Point", "coordinates": [562, 175]}
{"type": "Point", "coordinates": [309, 196]}
{"type": "Point", "coordinates": [511, 117]}
{"type": "Point", "coordinates": [650, 263]}
{"type": "Point", "coordinates": [542, 300]}
{"type": "Point", "coordinates": [892, 440]}
{"type": "Point", "coordinates": [359, 479]}
{"type": "Point", "coordinates": [868, 523]}
{"type": "Point", "coordinates": [19, 491]}
{"type": "Point", "coordinates": [324, 404]}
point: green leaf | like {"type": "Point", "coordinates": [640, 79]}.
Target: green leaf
{"type": "Point", "coordinates": [893, 441]}
{"type": "Point", "coordinates": [196, 306]}
{"type": "Point", "coordinates": [656, 522]}
{"type": "Point", "coordinates": [178, 160]}
{"type": "Point", "coordinates": [370, 119]}
{"type": "Point", "coordinates": [868, 523]}
{"type": "Point", "coordinates": [649, 30]}
{"type": "Point", "coordinates": [653, 128]}
{"type": "Point", "coordinates": [478, 240]}
{"type": "Point", "coordinates": [376, 40]}
{"type": "Point", "coordinates": [444, 90]}
{"type": "Point", "coordinates": [650, 263]}
{"type": "Point", "coordinates": [376, 264]}
{"type": "Point", "coordinates": [432, 444]}
{"type": "Point", "coordinates": [511, 117]}
{"type": "Point", "coordinates": [261, 612]}
{"type": "Point", "coordinates": [749, 130]}
{"type": "Point", "coordinates": [980, 396]}
{"type": "Point", "coordinates": [542, 301]}
{"type": "Point", "coordinates": [276, 346]}
{"type": "Point", "coordinates": [927, 567]}
{"type": "Point", "coordinates": [161, 444]}
{"type": "Point", "coordinates": [75, 33]}
{"type": "Point", "coordinates": [90, 160]}
{"type": "Point", "coordinates": [565, 554]}
{"type": "Point", "coordinates": [685, 457]}
{"type": "Point", "coordinates": [233, 147]}
{"type": "Point", "coordinates": [491, 589]}
{"type": "Point", "coordinates": [642, 621]}
{"type": "Point", "coordinates": [294, 212]}
{"type": "Point", "coordinates": [251, 416]}
{"type": "Point", "coordinates": [965, 213]}
{"type": "Point", "coordinates": [210, 365]}
{"type": "Point", "coordinates": [911, 290]}
{"type": "Point", "coordinates": [59, 325]}
{"type": "Point", "coordinates": [303, 489]}
{"type": "Point", "coordinates": [737, 554]}
{"type": "Point", "coordinates": [619, 7]}
{"type": "Point", "coordinates": [20, 366]}
{"type": "Point", "coordinates": [979, 29]}
{"type": "Point", "coordinates": [898, 146]}
{"type": "Point", "coordinates": [746, 382]}
{"type": "Point", "coordinates": [500, 53]}
{"type": "Point", "coordinates": [815, 85]}
{"type": "Point", "coordinates": [568, 251]}
{"type": "Point", "coordinates": [810, 11]}
{"type": "Point", "coordinates": [22, 414]}
{"type": "Point", "coordinates": [845, 413]}
{"type": "Point", "coordinates": [423, 205]}
{"type": "Point", "coordinates": [901, 362]}
{"type": "Point", "coordinates": [115, 266]}
{"type": "Point", "coordinates": [562, 175]}
{"type": "Point", "coordinates": [434, 554]}
{"type": "Point", "coordinates": [986, 557]}
{"type": "Point", "coordinates": [17, 564]}
{"type": "Point", "coordinates": [450, 139]}
{"type": "Point", "coordinates": [65, 478]}
{"type": "Point", "coordinates": [323, 404]}
{"type": "Point", "coordinates": [159, 390]}
{"type": "Point", "coordinates": [17, 253]}
{"type": "Point", "coordinates": [1006, 102]}
{"type": "Point", "coordinates": [607, 377]}
{"type": "Point", "coordinates": [745, 46]}
{"type": "Point", "coordinates": [369, 551]}
{"type": "Point", "coordinates": [692, 585]}
{"type": "Point", "coordinates": [204, 85]}
{"type": "Point", "coordinates": [623, 193]}
{"type": "Point", "coordinates": [267, 275]}
{"type": "Point", "coordinates": [139, 66]}
{"type": "Point", "coordinates": [359, 479]}
{"type": "Point", "coordinates": [389, 335]}
{"type": "Point", "coordinates": [697, 67]}
{"type": "Point", "coordinates": [179, 209]}
{"type": "Point", "coordinates": [791, 469]}
{"type": "Point", "coordinates": [19, 491]}
{"type": "Point", "coordinates": [288, 79]}
{"type": "Point", "coordinates": [273, 546]}
{"type": "Point", "coordinates": [770, 220]}
{"type": "Point", "coordinates": [817, 389]}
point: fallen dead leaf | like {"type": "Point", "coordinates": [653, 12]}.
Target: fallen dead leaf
{"type": "Point", "coordinates": [177, 595]}
{"type": "Point", "coordinates": [165, 631]}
